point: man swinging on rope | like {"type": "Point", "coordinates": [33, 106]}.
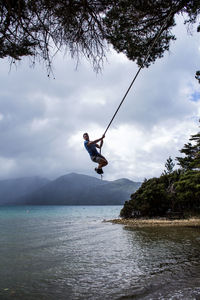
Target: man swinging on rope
{"type": "Point", "coordinates": [94, 154]}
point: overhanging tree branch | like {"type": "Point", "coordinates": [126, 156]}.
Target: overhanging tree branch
{"type": "Point", "coordinates": [83, 27]}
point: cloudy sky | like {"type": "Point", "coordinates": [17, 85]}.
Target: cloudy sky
{"type": "Point", "coordinates": [42, 119]}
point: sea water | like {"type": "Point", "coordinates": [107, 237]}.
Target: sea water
{"type": "Point", "coordinates": [68, 252]}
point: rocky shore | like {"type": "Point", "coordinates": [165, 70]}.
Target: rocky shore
{"type": "Point", "coordinates": [192, 222]}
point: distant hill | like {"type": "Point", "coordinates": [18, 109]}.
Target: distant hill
{"type": "Point", "coordinates": [77, 189]}
{"type": "Point", "coordinates": [12, 189]}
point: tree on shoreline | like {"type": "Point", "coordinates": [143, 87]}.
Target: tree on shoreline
{"type": "Point", "coordinates": [175, 191]}
{"type": "Point", "coordinates": [39, 28]}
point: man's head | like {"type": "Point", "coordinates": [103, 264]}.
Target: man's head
{"type": "Point", "coordinates": [86, 136]}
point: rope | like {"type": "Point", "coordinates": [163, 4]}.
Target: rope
{"type": "Point", "coordinates": [137, 73]}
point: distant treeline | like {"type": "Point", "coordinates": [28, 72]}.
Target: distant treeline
{"type": "Point", "coordinates": [175, 192]}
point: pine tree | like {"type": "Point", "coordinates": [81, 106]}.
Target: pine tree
{"type": "Point", "coordinates": [195, 164]}
{"type": "Point", "coordinates": [169, 166]}
{"type": "Point", "coordinates": [191, 161]}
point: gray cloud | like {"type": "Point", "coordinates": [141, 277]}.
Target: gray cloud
{"type": "Point", "coordinates": [42, 119]}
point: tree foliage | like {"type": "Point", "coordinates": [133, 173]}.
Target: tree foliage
{"type": "Point", "coordinates": [35, 27]}
{"type": "Point", "coordinates": [169, 166]}
{"type": "Point", "coordinates": [188, 191]}
{"type": "Point", "coordinates": [191, 150]}
{"type": "Point", "coordinates": [134, 25]}
{"type": "Point", "coordinates": [175, 191]}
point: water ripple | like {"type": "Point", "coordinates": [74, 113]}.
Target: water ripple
{"type": "Point", "coordinates": [69, 253]}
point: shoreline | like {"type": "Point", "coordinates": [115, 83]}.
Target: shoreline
{"type": "Point", "coordinates": [160, 222]}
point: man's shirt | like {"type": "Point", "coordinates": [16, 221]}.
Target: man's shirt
{"type": "Point", "coordinates": [92, 150]}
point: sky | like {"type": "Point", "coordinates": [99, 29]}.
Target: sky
{"type": "Point", "coordinates": [42, 119]}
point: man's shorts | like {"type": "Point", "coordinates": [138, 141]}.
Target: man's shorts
{"type": "Point", "coordinates": [97, 158]}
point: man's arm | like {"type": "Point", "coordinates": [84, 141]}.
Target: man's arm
{"type": "Point", "coordinates": [99, 146]}
{"type": "Point", "coordinates": [96, 141]}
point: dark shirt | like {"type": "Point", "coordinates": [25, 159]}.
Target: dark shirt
{"type": "Point", "coordinates": [92, 150]}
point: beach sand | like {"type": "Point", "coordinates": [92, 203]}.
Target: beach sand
{"type": "Point", "coordinates": [192, 222]}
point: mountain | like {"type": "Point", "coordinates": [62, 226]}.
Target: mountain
{"type": "Point", "coordinates": [12, 189]}
{"type": "Point", "coordinates": [77, 189]}
{"type": "Point", "coordinates": [125, 185]}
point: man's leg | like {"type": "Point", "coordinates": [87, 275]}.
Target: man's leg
{"type": "Point", "coordinates": [101, 160]}
{"type": "Point", "coordinates": [102, 163]}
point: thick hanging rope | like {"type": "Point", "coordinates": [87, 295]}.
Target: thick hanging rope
{"type": "Point", "coordinates": [136, 75]}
